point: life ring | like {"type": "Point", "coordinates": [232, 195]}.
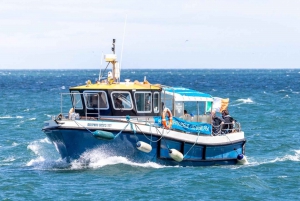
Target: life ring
{"type": "Point", "coordinates": [164, 121]}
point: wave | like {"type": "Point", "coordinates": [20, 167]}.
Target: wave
{"type": "Point", "coordinates": [9, 159]}
{"type": "Point", "coordinates": [253, 162]}
{"type": "Point", "coordinates": [37, 146]}
{"type": "Point", "coordinates": [286, 96]}
{"type": "Point", "coordinates": [295, 157]}
{"type": "Point", "coordinates": [92, 159]}
{"type": "Point", "coordinates": [46, 157]}
{"type": "Point", "coordinates": [242, 101]}
{"type": "Point", "coordinates": [14, 144]}
{"type": "Point", "coordinates": [248, 100]}
{"type": "Point", "coordinates": [11, 117]}
{"type": "Point", "coordinates": [97, 158]}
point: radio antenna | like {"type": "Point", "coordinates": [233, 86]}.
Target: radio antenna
{"type": "Point", "coordinates": [122, 47]}
{"type": "Point", "coordinates": [100, 67]}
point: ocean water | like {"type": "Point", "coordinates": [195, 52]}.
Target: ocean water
{"type": "Point", "coordinates": [266, 102]}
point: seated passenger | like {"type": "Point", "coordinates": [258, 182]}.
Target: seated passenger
{"type": "Point", "coordinates": [228, 122]}
{"type": "Point", "coordinates": [216, 123]}
{"type": "Point", "coordinates": [186, 116]}
{"type": "Point", "coordinates": [118, 103]}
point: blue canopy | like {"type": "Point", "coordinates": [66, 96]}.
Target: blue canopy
{"type": "Point", "coordinates": [185, 94]}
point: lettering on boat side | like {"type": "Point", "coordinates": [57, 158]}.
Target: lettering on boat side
{"type": "Point", "coordinates": [99, 125]}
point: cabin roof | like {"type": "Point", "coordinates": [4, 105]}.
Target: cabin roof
{"type": "Point", "coordinates": [119, 86]}
{"type": "Point", "coordinates": [185, 94]}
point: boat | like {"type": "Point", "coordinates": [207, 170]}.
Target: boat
{"type": "Point", "coordinates": [143, 122]}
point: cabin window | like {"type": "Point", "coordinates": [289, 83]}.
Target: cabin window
{"type": "Point", "coordinates": [121, 100]}
{"type": "Point", "coordinates": [96, 100]}
{"type": "Point", "coordinates": [143, 101]}
{"type": "Point", "coordinates": [167, 101]}
{"type": "Point", "coordinates": [156, 102]}
{"type": "Point", "coordinates": [76, 98]}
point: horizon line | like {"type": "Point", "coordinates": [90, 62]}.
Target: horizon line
{"type": "Point", "coordinates": [154, 69]}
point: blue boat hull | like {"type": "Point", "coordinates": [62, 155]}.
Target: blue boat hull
{"type": "Point", "coordinates": [71, 144]}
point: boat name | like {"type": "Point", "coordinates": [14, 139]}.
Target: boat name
{"type": "Point", "coordinates": [203, 127]}
{"type": "Point", "coordinates": [99, 125]}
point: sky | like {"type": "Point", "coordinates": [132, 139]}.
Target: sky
{"type": "Point", "coordinates": [198, 34]}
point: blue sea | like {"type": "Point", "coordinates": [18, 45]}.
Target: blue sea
{"type": "Point", "coordinates": [265, 102]}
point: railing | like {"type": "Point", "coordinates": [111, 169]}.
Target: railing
{"type": "Point", "coordinates": [72, 115]}
{"type": "Point", "coordinates": [226, 128]}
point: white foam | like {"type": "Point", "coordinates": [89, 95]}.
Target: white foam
{"type": "Point", "coordinates": [248, 100]}
{"type": "Point", "coordinates": [45, 140]}
{"type": "Point", "coordinates": [35, 161]}
{"type": "Point", "coordinates": [43, 163]}
{"type": "Point", "coordinates": [46, 156]}
{"type": "Point", "coordinates": [94, 159]}
{"type": "Point", "coordinates": [6, 117]}
{"type": "Point", "coordinates": [9, 159]}
{"type": "Point", "coordinates": [14, 144]}
{"type": "Point", "coordinates": [295, 157]}
{"type": "Point", "coordinates": [34, 148]}
{"type": "Point", "coordinates": [252, 162]}
{"type": "Point", "coordinates": [286, 96]}
{"type": "Point", "coordinates": [242, 101]}
{"type": "Point", "coordinates": [98, 158]}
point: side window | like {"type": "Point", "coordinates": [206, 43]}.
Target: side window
{"type": "Point", "coordinates": [156, 102]}
{"type": "Point", "coordinates": [167, 101]}
{"type": "Point", "coordinates": [143, 101]}
{"type": "Point", "coordinates": [76, 98]}
{"type": "Point", "coordinates": [95, 100]}
{"type": "Point", "coordinates": [121, 100]}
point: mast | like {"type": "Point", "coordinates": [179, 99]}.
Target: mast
{"type": "Point", "coordinates": [113, 62]}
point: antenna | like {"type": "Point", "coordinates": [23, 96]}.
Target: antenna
{"type": "Point", "coordinates": [122, 46]}
{"type": "Point", "coordinates": [113, 47]}
{"type": "Point", "coordinates": [113, 62]}
{"type": "Point", "coordinates": [100, 67]}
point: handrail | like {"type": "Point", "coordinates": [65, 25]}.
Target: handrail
{"type": "Point", "coordinates": [83, 104]}
{"type": "Point", "coordinates": [236, 127]}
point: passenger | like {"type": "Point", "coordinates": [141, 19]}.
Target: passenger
{"type": "Point", "coordinates": [118, 103]}
{"type": "Point", "coordinates": [217, 122]}
{"type": "Point", "coordinates": [186, 116]}
{"type": "Point", "coordinates": [228, 122]}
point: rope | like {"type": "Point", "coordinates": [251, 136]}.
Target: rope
{"type": "Point", "coordinates": [151, 134]}
{"type": "Point", "coordinates": [121, 131]}
{"type": "Point", "coordinates": [192, 146]}
{"type": "Point", "coordinates": [129, 123]}
{"type": "Point", "coordinates": [82, 126]}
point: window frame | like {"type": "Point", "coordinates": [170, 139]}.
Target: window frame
{"type": "Point", "coordinates": [158, 104]}
{"type": "Point", "coordinates": [99, 98]}
{"type": "Point", "coordinates": [151, 102]}
{"type": "Point", "coordinates": [120, 92]}
{"type": "Point", "coordinates": [73, 93]}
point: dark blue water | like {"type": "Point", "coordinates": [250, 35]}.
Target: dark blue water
{"type": "Point", "coordinates": [266, 102]}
